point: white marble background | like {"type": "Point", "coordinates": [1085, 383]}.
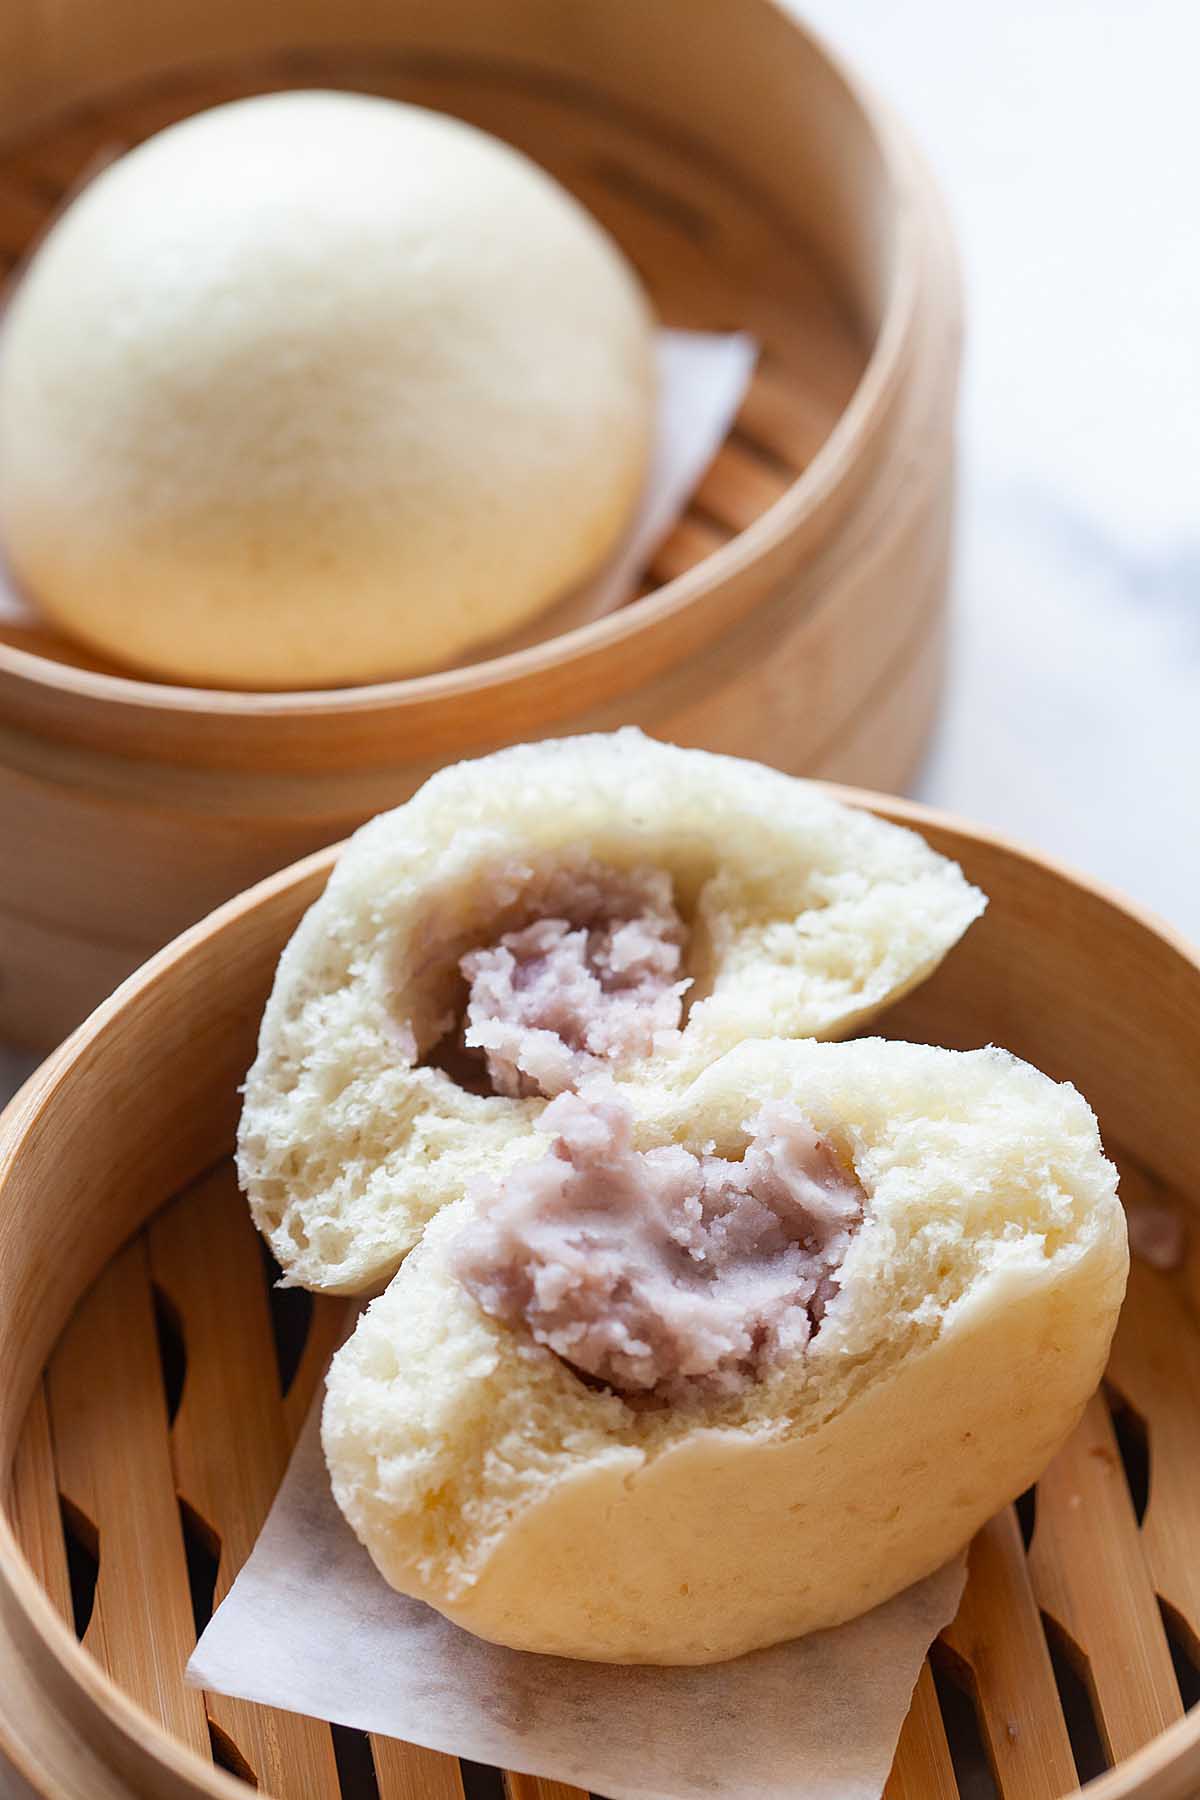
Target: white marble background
{"type": "Point", "coordinates": [1067, 136]}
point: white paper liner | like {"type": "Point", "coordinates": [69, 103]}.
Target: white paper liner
{"type": "Point", "coordinates": [310, 1625]}
{"type": "Point", "coordinates": [702, 381]}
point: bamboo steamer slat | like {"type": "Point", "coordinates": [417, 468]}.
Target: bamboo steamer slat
{"type": "Point", "coordinates": [795, 614]}
{"type": "Point", "coordinates": [1078, 1642]}
{"type": "Point", "coordinates": [923, 1768]}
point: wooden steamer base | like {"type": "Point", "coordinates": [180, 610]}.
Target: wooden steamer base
{"type": "Point", "coordinates": [145, 1426]}
{"type": "Point", "coordinates": [795, 615]}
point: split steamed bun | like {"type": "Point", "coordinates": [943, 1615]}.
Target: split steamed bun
{"type": "Point", "coordinates": [972, 1318]}
{"type": "Point", "coordinates": [317, 388]}
{"type": "Point", "coordinates": [797, 916]}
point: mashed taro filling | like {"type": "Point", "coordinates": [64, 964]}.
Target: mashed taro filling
{"type": "Point", "coordinates": [662, 1273]}
{"type": "Point", "coordinates": [592, 983]}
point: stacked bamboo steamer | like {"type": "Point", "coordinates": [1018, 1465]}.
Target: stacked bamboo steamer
{"type": "Point", "coordinates": [795, 614]}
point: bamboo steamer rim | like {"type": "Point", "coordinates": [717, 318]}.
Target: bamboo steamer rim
{"type": "Point", "coordinates": [28, 1619]}
{"type": "Point", "coordinates": [116, 711]}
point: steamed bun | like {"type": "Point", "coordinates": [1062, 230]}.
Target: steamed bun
{"type": "Point", "coordinates": [971, 1320]}
{"type": "Point", "coordinates": [804, 918]}
{"type": "Point", "coordinates": [318, 388]}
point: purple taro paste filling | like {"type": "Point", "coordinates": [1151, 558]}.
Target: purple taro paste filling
{"type": "Point", "coordinates": [592, 983]}
{"type": "Point", "coordinates": [663, 1273]}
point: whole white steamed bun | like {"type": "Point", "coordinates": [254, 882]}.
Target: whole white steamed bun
{"type": "Point", "coordinates": [318, 388]}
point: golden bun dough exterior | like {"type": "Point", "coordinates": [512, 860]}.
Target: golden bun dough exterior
{"type": "Point", "coordinates": [807, 918]}
{"type": "Point", "coordinates": [974, 1318]}
{"type": "Point", "coordinates": [317, 388]}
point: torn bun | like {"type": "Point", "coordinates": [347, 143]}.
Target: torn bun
{"type": "Point", "coordinates": [402, 1049]}
{"type": "Point", "coordinates": [969, 1319]}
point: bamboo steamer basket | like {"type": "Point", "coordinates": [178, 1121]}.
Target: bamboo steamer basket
{"type": "Point", "coordinates": [154, 1381]}
{"type": "Point", "coordinates": [796, 614]}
